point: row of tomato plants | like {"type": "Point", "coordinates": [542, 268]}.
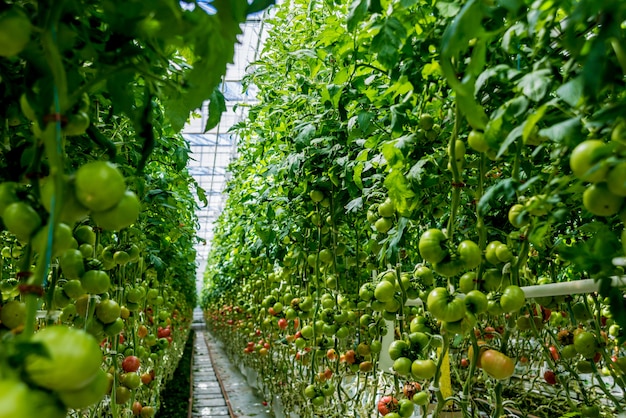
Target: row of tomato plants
{"type": "Point", "coordinates": [444, 156]}
{"type": "Point", "coordinates": [97, 267]}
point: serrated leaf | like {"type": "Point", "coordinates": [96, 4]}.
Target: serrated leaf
{"type": "Point", "coordinates": [396, 238]}
{"type": "Point", "coordinates": [354, 205]}
{"type": "Point", "coordinates": [386, 43]}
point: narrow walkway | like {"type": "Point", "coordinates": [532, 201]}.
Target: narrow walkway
{"type": "Point", "coordinates": [220, 390]}
{"type": "Point", "coordinates": [208, 399]}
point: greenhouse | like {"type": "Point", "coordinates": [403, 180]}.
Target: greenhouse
{"type": "Point", "coordinates": [312, 208]}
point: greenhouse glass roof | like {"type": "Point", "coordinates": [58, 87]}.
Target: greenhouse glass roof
{"type": "Point", "coordinates": [212, 151]}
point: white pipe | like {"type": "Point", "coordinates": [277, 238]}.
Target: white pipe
{"type": "Point", "coordinates": [569, 288]}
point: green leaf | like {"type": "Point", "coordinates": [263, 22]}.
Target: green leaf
{"type": "Point", "coordinates": [531, 122]}
{"type": "Point", "coordinates": [354, 205]}
{"type": "Point", "coordinates": [572, 91]}
{"type": "Point", "coordinates": [388, 40]}
{"type": "Point", "coordinates": [357, 12]}
{"type": "Point", "coordinates": [464, 27]}
{"type": "Point", "coordinates": [510, 138]}
{"type": "Point", "coordinates": [535, 85]}
{"type": "Point", "coordinates": [447, 9]}
{"type": "Point", "coordinates": [505, 188]}
{"type": "Point", "coordinates": [396, 238]}
{"type": "Point", "coordinates": [567, 131]}
{"type": "Point", "coordinates": [217, 106]}
{"type": "Point", "coordinates": [258, 5]}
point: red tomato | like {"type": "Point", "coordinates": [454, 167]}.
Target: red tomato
{"type": "Point", "coordinates": [387, 404]}
{"type": "Point", "coordinates": [554, 353]}
{"type": "Point", "coordinates": [549, 377]}
{"type": "Point", "coordinates": [131, 364]}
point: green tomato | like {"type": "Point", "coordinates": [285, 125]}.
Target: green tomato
{"type": "Point", "coordinates": [599, 201]}
{"type": "Point", "coordinates": [21, 220]}
{"type": "Point", "coordinates": [421, 398]}
{"type": "Point", "coordinates": [431, 246]}
{"type": "Point", "coordinates": [72, 264]}
{"type": "Point", "coordinates": [19, 400]}
{"type": "Point", "coordinates": [512, 299]}
{"type": "Point", "coordinates": [490, 252]}
{"type": "Point", "coordinates": [62, 239]}
{"type": "Point", "coordinates": [8, 195]}
{"type": "Point", "coordinates": [71, 209]}
{"type": "Point", "coordinates": [15, 32]}
{"type": "Point", "coordinates": [585, 344]}
{"type": "Point", "coordinates": [405, 408]}
{"type": "Point", "coordinates": [476, 302]}
{"type": "Point", "coordinates": [518, 217]}
{"type": "Point", "coordinates": [444, 306]}
{"type": "Point", "coordinates": [469, 252]}
{"type": "Point", "coordinates": [450, 268]}
{"type": "Point", "coordinates": [72, 362]}
{"type": "Point", "coordinates": [402, 366]}
{"type": "Point", "coordinates": [423, 369]}
{"type": "Point", "coordinates": [586, 160]}
{"type": "Point", "coordinates": [476, 141]}
{"type": "Point", "coordinates": [89, 395]}
{"type": "Point", "coordinates": [616, 179]}
{"type": "Point", "coordinates": [424, 275]}
{"type": "Point", "coordinates": [121, 215]}
{"type": "Point", "coordinates": [384, 291]}
{"type": "Point", "coordinates": [96, 281]}
{"type": "Point", "coordinates": [398, 349]}
{"type": "Point", "coordinates": [493, 280]}
{"type": "Point", "coordinates": [99, 185]}
{"type": "Point", "coordinates": [418, 341]}
{"type": "Point", "coordinates": [387, 209]}
{"type": "Point", "coordinates": [468, 282]}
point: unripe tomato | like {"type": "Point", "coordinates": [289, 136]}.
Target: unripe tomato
{"type": "Point", "coordinates": [13, 314]}
{"type": "Point", "coordinates": [96, 281]}
{"type": "Point", "coordinates": [72, 264]}
{"type": "Point", "coordinates": [431, 246]}
{"type": "Point", "coordinates": [15, 31]}
{"type": "Point", "coordinates": [387, 209]}
{"type": "Point", "coordinates": [71, 209]}
{"type": "Point", "coordinates": [444, 306]}
{"type": "Point", "coordinates": [74, 357]}
{"type": "Point", "coordinates": [21, 220]}
{"type": "Point", "coordinates": [476, 141]}
{"type": "Point", "coordinates": [107, 311]}
{"type": "Point", "coordinates": [470, 254]}
{"type": "Point", "coordinates": [421, 398]}
{"type": "Point", "coordinates": [91, 394]}
{"type": "Point", "coordinates": [585, 160]}
{"type": "Point", "coordinates": [99, 185]}
{"type": "Point", "coordinates": [383, 225]}
{"type": "Point", "coordinates": [599, 201]}
{"type": "Point", "coordinates": [512, 299]}
{"type": "Point", "coordinates": [121, 215]}
{"type": "Point", "coordinates": [62, 239]}
{"type": "Point", "coordinates": [497, 365]}
{"type": "Point", "coordinates": [423, 369]}
{"type": "Point", "coordinates": [19, 400]}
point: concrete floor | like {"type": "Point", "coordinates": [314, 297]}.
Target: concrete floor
{"type": "Point", "coordinates": [220, 389]}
